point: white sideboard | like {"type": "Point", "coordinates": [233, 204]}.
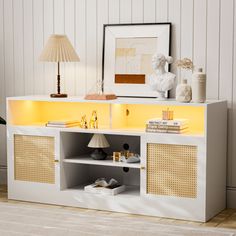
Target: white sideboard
{"type": "Point", "coordinates": [180, 176]}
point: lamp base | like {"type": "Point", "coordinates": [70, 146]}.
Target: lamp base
{"type": "Point", "coordinates": [58, 95]}
{"type": "Point", "coordinates": [98, 154]}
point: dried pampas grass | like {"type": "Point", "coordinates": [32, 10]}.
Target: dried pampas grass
{"type": "Point", "coordinates": [185, 64]}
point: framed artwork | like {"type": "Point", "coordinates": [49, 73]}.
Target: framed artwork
{"type": "Point", "coordinates": [127, 56]}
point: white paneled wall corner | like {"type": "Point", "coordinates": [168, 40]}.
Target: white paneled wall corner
{"type": "Point", "coordinates": [203, 30]}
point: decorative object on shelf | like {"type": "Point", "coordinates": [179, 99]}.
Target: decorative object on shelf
{"type": "Point", "coordinates": [199, 86]}
{"type": "Point", "coordinates": [2, 121]}
{"type": "Point", "coordinates": [185, 64]}
{"type": "Point", "coordinates": [158, 125]}
{"type": "Point", "coordinates": [58, 49]}
{"type": "Point", "coordinates": [126, 151]}
{"type": "Point", "coordinates": [93, 123]}
{"type": "Point", "coordinates": [125, 155]}
{"type": "Point", "coordinates": [101, 182]}
{"type": "Point", "coordinates": [116, 156]}
{"type": "Point", "coordinates": [183, 92]}
{"type": "Point", "coordinates": [98, 142]}
{"type": "Point", "coordinates": [127, 55]}
{"type": "Point", "coordinates": [63, 124]}
{"type": "Point", "coordinates": [132, 158]}
{"type": "Point", "coordinates": [161, 81]}
{"type": "Point", "coordinates": [167, 114]}
{"type": "Point", "coordinates": [103, 187]}
{"type": "Point", "coordinates": [83, 122]}
{"type": "Point", "coordinates": [97, 93]}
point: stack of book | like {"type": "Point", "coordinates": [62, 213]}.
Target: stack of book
{"type": "Point", "coordinates": [158, 125]}
{"type": "Point", "coordinates": [63, 124]}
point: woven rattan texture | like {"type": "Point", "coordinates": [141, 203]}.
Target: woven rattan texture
{"type": "Point", "coordinates": [172, 170]}
{"type": "Point", "coordinates": [34, 158]}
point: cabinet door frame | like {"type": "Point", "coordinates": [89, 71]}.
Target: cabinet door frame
{"type": "Point", "coordinates": [26, 185]}
{"type": "Point", "coordinates": [198, 141]}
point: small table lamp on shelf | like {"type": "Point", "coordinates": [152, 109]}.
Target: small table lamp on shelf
{"type": "Point", "coordinates": [98, 141]}
{"type": "Point", "coordinates": [58, 49]}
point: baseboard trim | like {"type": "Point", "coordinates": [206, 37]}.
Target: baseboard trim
{"type": "Point", "coordinates": [231, 197]}
{"type": "Point", "coordinates": [3, 175]}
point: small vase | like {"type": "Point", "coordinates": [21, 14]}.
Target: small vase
{"type": "Point", "coordinates": [183, 92]}
{"type": "Point", "coordinates": [198, 86]}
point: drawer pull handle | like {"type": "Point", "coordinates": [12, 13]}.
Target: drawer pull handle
{"type": "Point", "coordinates": [142, 168]}
{"type": "Point", "coordinates": [56, 161]}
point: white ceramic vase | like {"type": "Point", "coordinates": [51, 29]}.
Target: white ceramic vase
{"type": "Point", "coordinates": [183, 92]}
{"type": "Point", "coordinates": [198, 86]}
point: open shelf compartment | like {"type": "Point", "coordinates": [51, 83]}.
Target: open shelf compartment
{"type": "Point", "coordinates": [78, 169]}
{"type": "Point", "coordinates": [76, 177]}
{"type": "Point", "coordinates": [125, 116]}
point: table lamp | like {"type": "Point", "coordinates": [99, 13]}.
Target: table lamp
{"type": "Point", "coordinates": [58, 49]}
{"type": "Point", "coordinates": [98, 141]}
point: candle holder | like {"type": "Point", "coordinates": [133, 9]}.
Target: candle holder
{"type": "Point", "coordinates": [167, 114]}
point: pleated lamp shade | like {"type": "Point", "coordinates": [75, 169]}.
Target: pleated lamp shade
{"type": "Point", "coordinates": [58, 49]}
{"type": "Point", "coordinates": [98, 141]}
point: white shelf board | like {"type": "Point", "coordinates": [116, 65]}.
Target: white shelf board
{"type": "Point", "coordinates": [130, 191]}
{"type": "Point", "coordinates": [119, 100]}
{"type": "Point", "coordinates": [89, 161]}
{"type": "Point", "coordinates": [121, 131]}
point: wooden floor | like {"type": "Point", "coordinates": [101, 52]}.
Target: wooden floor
{"type": "Point", "coordinates": [225, 219]}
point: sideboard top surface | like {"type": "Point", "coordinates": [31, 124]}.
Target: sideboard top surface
{"type": "Point", "coordinates": [120, 100]}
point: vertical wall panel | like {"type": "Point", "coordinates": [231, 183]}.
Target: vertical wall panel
{"type": "Point", "coordinates": [232, 157]}
{"type": "Point", "coordinates": [38, 46]}
{"type": "Point", "coordinates": [162, 10]}
{"type": "Point", "coordinates": [3, 160]}
{"type": "Point", "coordinates": [70, 32]}
{"type": "Point", "coordinates": [49, 68]}
{"type": "Point", "coordinates": [187, 35]}
{"type": "Point", "coordinates": [225, 74]}
{"type": "Point", "coordinates": [91, 40]}
{"type": "Point", "coordinates": [114, 11]}
{"type": "Point", "coordinates": [149, 11]}
{"type": "Point", "coordinates": [2, 78]}
{"type": "Point", "coordinates": [226, 52]}
{"type": "Point", "coordinates": [213, 41]}
{"type": "Point", "coordinates": [199, 42]}
{"type": "Point", "coordinates": [59, 28]}
{"type": "Point", "coordinates": [125, 11]}
{"type": "Point", "coordinates": [175, 18]}
{"type": "Point", "coordinates": [28, 47]}
{"type": "Point", "coordinates": [80, 46]}
{"type": "Point", "coordinates": [8, 48]}
{"type": "Point", "coordinates": [137, 11]}
{"type": "Point", "coordinates": [18, 47]}
{"type": "Point", "coordinates": [59, 16]}
{"type": "Point", "coordinates": [102, 18]}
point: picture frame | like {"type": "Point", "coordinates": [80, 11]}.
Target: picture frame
{"type": "Point", "coordinates": [127, 53]}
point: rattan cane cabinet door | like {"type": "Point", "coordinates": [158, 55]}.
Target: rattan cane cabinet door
{"type": "Point", "coordinates": [34, 158]}
{"type": "Point", "coordinates": [172, 170]}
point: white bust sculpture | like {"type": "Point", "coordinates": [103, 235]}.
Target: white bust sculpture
{"type": "Point", "coordinates": [161, 81]}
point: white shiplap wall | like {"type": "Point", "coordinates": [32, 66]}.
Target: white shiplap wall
{"type": "Point", "coordinates": [203, 30]}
